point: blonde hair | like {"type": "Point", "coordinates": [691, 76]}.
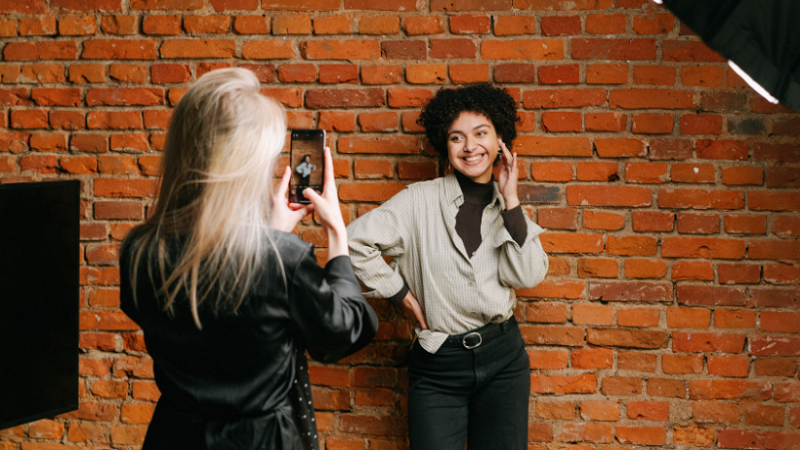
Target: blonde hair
{"type": "Point", "coordinates": [215, 193]}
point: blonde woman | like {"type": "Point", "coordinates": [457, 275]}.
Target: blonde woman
{"type": "Point", "coordinates": [227, 297]}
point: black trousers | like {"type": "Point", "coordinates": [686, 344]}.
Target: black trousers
{"type": "Point", "coordinates": [476, 396]}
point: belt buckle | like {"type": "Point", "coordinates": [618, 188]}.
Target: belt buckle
{"type": "Point", "coordinates": [469, 347]}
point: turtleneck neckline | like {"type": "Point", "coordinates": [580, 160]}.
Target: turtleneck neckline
{"type": "Point", "coordinates": [475, 193]}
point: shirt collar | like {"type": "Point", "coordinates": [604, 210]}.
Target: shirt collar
{"type": "Point", "coordinates": [452, 192]}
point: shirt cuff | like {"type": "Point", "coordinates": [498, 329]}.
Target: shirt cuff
{"type": "Point", "coordinates": [397, 298]}
{"type": "Point", "coordinates": [514, 221]}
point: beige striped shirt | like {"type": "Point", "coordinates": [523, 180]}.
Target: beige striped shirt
{"type": "Point", "coordinates": [416, 228]}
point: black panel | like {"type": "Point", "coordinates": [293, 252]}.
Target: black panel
{"type": "Point", "coordinates": [39, 299]}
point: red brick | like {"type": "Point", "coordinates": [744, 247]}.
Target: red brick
{"type": "Point", "coordinates": [423, 25]}
{"type": "Point", "coordinates": [700, 199]}
{"type": "Point", "coordinates": [614, 49]}
{"type": "Point", "coordinates": [636, 361]}
{"type": "Point", "coordinates": [338, 73]}
{"type": "Point", "coordinates": [251, 25]}
{"type": "Point", "coordinates": [650, 173]}
{"type": "Point", "coordinates": [543, 49]}
{"type": "Point", "coordinates": [563, 98]}
{"type": "Point", "coordinates": [645, 268]}
{"type": "Point", "coordinates": [583, 314]}
{"type": "Point", "coordinates": [411, 49]}
{"type": "Point", "coordinates": [598, 171]}
{"type": "Point", "coordinates": [552, 335]}
{"type": "Point", "coordinates": [775, 346]}
{"type": "Point", "coordinates": [515, 73]}
{"type": "Point", "coordinates": [561, 25]}
{"type": "Point", "coordinates": [607, 74]}
{"type": "Point", "coordinates": [87, 73]}
{"type": "Point", "coordinates": [692, 270]}
{"type": "Point", "coordinates": [734, 318]}
{"type": "Point", "coordinates": [33, 26]}
{"type": "Point", "coordinates": [546, 312]}
{"type": "Point", "coordinates": [381, 74]}
{"type": "Point", "coordinates": [291, 24]}
{"type": "Point", "coordinates": [56, 96]}
{"type": "Point", "coordinates": [592, 358]}
{"type": "Point", "coordinates": [125, 97]}
{"type": "Point", "coordinates": [548, 359]}
{"type": "Point", "coordinates": [631, 245]}
{"type": "Point", "coordinates": [781, 273]}
{"type": "Point", "coordinates": [118, 25]}
{"type": "Point", "coordinates": [786, 226]}
{"type": "Point", "coordinates": [605, 23]}
{"type": "Point", "coordinates": [555, 410]}
{"type": "Point", "coordinates": [468, 73]}
{"type": "Point", "coordinates": [608, 196]}
{"type": "Point", "coordinates": [470, 24]}
{"type": "Point", "coordinates": [689, 51]}
{"type": "Point", "coordinates": [773, 201]}
{"type": "Point", "coordinates": [514, 25]}
{"type": "Point", "coordinates": [345, 98]}
{"type": "Point", "coordinates": [702, 76]}
{"type": "Point", "coordinates": [563, 384]}
{"type": "Point", "coordinates": [268, 50]}
{"type": "Point", "coordinates": [662, 387]}
{"type": "Point", "coordinates": [202, 48]}
{"type": "Point", "coordinates": [651, 98]}
{"type": "Point", "coordinates": [660, 24]}
{"type": "Point", "coordinates": [742, 175]}
{"type": "Point", "coordinates": [586, 432]}
{"type": "Point", "coordinates": [738, 273]}
{"type": "Point", "coordinates": [688, 317]}
{"type": "Point", "coordinates": [426, 74]}
{"type": "Point", "coordinates": [558, 218]}
{"type": "Point", "coordinates": [653, 75]}
{"type": "Point", "coordinates": [566, 289]}
{"type": "Point", "coordinates": [90, 143]}
{"type": "Point", "coordinates": [409, 170]}
{"type": "Point", "coordinates": [776, 367]}
{"type": "Point", "coordinates": [605, 122]}
{"type": "Point", "coordinates": [411, 98]}
{"type": "Point", "coordinates": [170, 73]}
{"type": "Point", "coordinates": [453, 48]}
{"type": "Point", "coordinates": [379, 25]}
{"type": "Point", "coordinates": [708, 342]}
{"type": "Point", "coordinates": [675, 149]}
{"type": "Point", "coordinates": [37, 51]}
{"type": "Point", "coordinates": [698, 223]}
{"type": "Point", "coordinates": [695, 295]}
{"type": "Point", "coordinates": [350, 50]}
{"type": "Point", "coordinates": [682, 364]}
{"type": "Point", "coordinates": [600, 410]}
{"type": "Point", "coordinates": [621, 386]}
{"type": "Point", "coordinates": [48, 142]}
{"type": "Point", "coordinates": [652, 123]}
{"type": "Point", "coordinates": [701, 124]}
{"type": "Point", "coordinates": [128, 73]}
{"type": "Point", "coordinates": [561, 121]}
{"type": "Point", "coordinates": [29, 119]}
{"type": "Point", "coordinates": [648, 410]}
{"type": "Point", "coordinates": [601, 220]}
{"type": "Point", "coordinates": [77, 26]}
{"type": "Point", "coordinates": [729, 389]}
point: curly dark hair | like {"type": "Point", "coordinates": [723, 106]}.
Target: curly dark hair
{"type": "Point", "coordinates": [484, 99]}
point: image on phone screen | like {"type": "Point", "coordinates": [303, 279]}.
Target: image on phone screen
{"type": "Point", "coordinates": [306, 163]}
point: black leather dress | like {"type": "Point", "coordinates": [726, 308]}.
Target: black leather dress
{"type": "Point", "coordinates": [242, 382]}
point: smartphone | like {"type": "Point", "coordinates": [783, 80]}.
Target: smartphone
{"type": "Point", "coordinates": [306, 160]}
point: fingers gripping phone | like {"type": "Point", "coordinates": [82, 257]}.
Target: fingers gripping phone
{"type": "Point", "coordinates": [307, 163]}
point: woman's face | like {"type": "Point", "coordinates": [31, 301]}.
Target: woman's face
{"type": "Point", "coordinates": [472, 146]}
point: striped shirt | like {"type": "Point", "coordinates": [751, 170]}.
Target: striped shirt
{"type": "Point", "coordinates": [416, 228]}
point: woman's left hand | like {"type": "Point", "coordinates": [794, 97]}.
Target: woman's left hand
{"type": "Point", "coordinates": [509, 174]}
{"type": "Point", "coordinates": [285, 215]}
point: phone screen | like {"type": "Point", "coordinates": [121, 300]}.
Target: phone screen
{"type": "Point", "coordinates": [306, 163]}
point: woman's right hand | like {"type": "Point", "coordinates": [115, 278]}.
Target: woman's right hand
{"type": "Point", "coordinates": [328, 211]}
{"type": "Point", "coordinates": [413, 311]}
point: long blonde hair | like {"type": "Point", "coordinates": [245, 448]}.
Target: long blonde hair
{"type": "Point", "coordinates": [215, 193]}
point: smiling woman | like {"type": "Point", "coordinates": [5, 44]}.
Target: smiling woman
{"type": "Point", "coordinates": [461, 244]}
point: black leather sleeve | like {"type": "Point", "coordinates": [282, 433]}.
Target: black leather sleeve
{"type": "Point", "coordinates": [327, 309]}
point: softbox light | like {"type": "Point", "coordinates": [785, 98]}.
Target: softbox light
{"type": "Point", "coordinates": [760, 38]}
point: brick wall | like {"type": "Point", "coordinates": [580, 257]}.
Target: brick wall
{"type": "Point", "coordinates": [671, 314]}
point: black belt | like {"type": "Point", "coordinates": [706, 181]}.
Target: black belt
{"type": "Point", "coordinates": [479, 336]}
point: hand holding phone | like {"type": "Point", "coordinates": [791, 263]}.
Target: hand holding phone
{"type": "Point", "coordinates": [328, 211]}
{"type": "Point", "coordinates": [306, 162]}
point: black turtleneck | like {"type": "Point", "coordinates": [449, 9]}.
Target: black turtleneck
{"type": "Point", "coordinates": [477, 196]}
